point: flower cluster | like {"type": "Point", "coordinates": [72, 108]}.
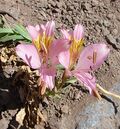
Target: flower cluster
{"type": "Point", "coordinates": [45, 53]}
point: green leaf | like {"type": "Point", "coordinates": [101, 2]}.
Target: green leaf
{"type": "Point", "coordinates": [52, 94]}
{"type": "Point", "coordinates": [6, 31]}
{"type": "Point", "coordinates": [11, 38]}
{"type": "Point", "coordinates": [71, 80]}
{"type": "Point", "coordinates": [60, 67]}
{"type": "Point", "coordinates": [20, 29]}
{"type": "Point", "coordinates": [2, 34]}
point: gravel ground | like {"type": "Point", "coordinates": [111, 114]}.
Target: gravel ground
{"type": "Point", "coordinates": [75, 109]}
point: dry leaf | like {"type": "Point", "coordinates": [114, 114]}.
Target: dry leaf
{"type": "Point", "coordinates": [13, 57]}
{"type": "Point", "coordinates": [27, 68]}
{"type": "Point", "coordinates": [4, 60]}
{"type": "Point", "coordinates": [20, 116]}
{"type": "Point", "coordinates": [42, 88]}
{"type": "Point", "coordinates": [40, 115]}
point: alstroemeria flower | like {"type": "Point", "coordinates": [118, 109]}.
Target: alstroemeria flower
{"type": "Point", "coordinates": [42, 35]}
{"type": "Point", "coordinates": [90, 58]}
{"type": "Point", "coordinates": [76, 40]}
{"type": "Point", "coordinates": [37, 55]}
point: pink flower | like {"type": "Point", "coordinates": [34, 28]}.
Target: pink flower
{"type": "Point", "coordinates": [90, 58]}
{"type": "Point", "coordinates": [39, 54]}
{"type": "Point", "coordinates": [76, 40]}
{"type": "Point", "coordinates": [42, 35]}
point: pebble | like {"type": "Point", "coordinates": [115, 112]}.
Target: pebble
{"type": "Point", "coordinates": [118, 42]}
{"type": "Point", "coordinates": [118, 17]}
{"type": "Point", "coordinates": [52, 3]}
{"type": "Point", "coordinates": [95, 2]}
{"type": "Point", "coordinates": [106, 23]}
{"type": "Point", "coordinates": [45, 102]}
{"type": "Point", "coordinates": [110, 16]}
{"type": "Point", "coordinates": [65, 109]}
{"type": "Point", "coordinates": [105, 31]}
{"type": "Point", "coordinates": [86, 6]}
{"type": "Point", "coordinates": [114, 31]}
{"type": "Point", "coordinates": [4, 123]}
{"type": "Point", "coordinates": [111, 39]}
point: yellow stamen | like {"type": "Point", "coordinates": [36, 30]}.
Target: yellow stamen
{"type": "Point", "coordinates": [48, 41]}
{"type": "Point", "coordinates": [43, 43]}
{"type": "Point", "coordinates": [75, 50]}
{"type": "Point", "coordinates": [94, 57]}
{"type": "Point", "coordinates": [95, 92]}
{"type": "Point", "coordinates": [107, 92]}
{"type": "Point", "coordinates": [37, 43]}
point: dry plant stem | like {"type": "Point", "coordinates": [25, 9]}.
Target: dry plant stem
{"type": "Point", "coordinates": [6, 22]}
{"type": "Point", "coordinates": [107, 92]}
{"type": "Point", "coordinates": [64, 77]}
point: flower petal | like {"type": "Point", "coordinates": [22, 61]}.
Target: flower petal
{"type": "Point", "coordinates": [78, 32]}
{"type": "Point", "coordinates": [87, 80]}
{"type": "Point", "coordinates": [92, 57]}
{"type": "Point", "coordinates": [33, 31]}
{"type": "Point", "coordinates": [56, 48]}
{"type": "Point", "coordinates": [50, 27]}
{"type": "Point", "coordinates": [64, 58]}
{"type": "Point", "coordinates": [48, 76]}
{"type": "Point", "coordinates": [29, 54]}
{"type": "Point", "coordinates": [37, 27]}
{"type": "Point", "coordinates": [66, 34]}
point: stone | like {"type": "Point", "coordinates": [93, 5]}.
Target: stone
{"type": "Point", "coordinates": [114, 31]}
{"type": "Point", "coordinates": [105, 31]}
{"type": "Point", "coordinates": [95, 2]}
{"type": "Point", "coordinates": [110, 16]}
{"type": "Point", "coordinates": [106, 23]}
{"type": "Point", "coordinates": [4, 123]}
{"type": "Point", "coordinates": [65, 109]}
{"type": "Point", "coordinates": [111, 40]}
{"type": "Point", "coordinates": [87, 6]}
{"type": "Point", "coordinates": [101, 114]}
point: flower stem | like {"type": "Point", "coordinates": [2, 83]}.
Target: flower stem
{"type": "Point", "coordinates": [107, 92]}
{"type": "Point", "coordinates": [64, 77]}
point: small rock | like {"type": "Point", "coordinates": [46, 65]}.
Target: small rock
{"type": "Point", "coordinates": [78, 95]}
{"type": "Point", "coordinates": [60, 4]}
{"type": "Point", "coordinates": [65, 109]}
{"type": "Point", "coordinates": [95, 2]}
{"type": "Point", "coordinates": [114, 31]}
{"type": "Point", "coordinates": [118, 42]}
{"type": "Point", "coordinates": [42, 4]}
{"type": "Point", "coordinates": [39, 126]}
{"type": "Point", "coordinates": [110, 16]}
{"type": "Point", "coordinates": [87, 6]}
{"type": "Point", "coordinates": [106, 31]}
{"type": "Point", "coordinates": [45, 102]}
{"type": "Point", "coordinates": [106, 23]}
{"type": "Point", "coordinates": [112, 41]}
{"type": "Point", "coordinates": [118, 17]}
{"type": "Point", "coordinates": [43, 13]}
{"type": "Point", "coordinates": [52, 3]}
{"type": "Point", "coordinates": [4, 123]}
